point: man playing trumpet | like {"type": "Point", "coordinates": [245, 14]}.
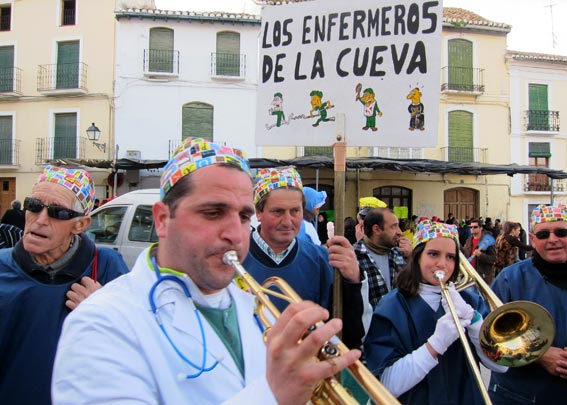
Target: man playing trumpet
{"type": "Point", "coordinates": [175, 329]}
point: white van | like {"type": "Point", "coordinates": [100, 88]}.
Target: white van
{"type": "Point", "coordinates": [126, 224]}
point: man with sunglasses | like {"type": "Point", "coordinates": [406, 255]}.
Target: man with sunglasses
{"type": "Point", "coordinates": [52, 269]}
{"type": "Point", "coordinates": [541, 279]}
{"type": "Point", "coordinates": [483, 256]}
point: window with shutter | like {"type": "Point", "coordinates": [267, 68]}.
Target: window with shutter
{"type": "Point", "coordinates": [68, 12]}
{"type": "Point", "coordinates": [460, 65]}
{"type": "Point", "coordinates": [6, 69]}
{"type": "Point", "coordinates": [5, 18]}
{"type": "Point", "coordinates": [197, 121]}
{"type": "Point", "coordinates": [6, 140]}
{"type": "Point", "coordinates": [228, 54]}
{"type": "Point", "coordinates": [65, 140]}
{"type": "Point", "coordinates": [461, 136]}
{"type": "Point", "coordinates": [161, 50]}
{"type": "Point", "coordinates": [539, 114]}
{"type": "Point", "coordinates": [68, 65]}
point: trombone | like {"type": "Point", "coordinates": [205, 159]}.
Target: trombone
{"type": "Point", "coordinates": [330, 391]}
{"type": "Point", "coordinates": [513, 334]}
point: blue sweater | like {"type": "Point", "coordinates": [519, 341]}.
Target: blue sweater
{"type": "Point", "coordinates": [522, 281]}
{"type": "Point", "coordinates": [31, 317]}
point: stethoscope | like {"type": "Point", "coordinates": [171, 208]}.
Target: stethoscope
{"type": "Point", "coordinates": [202, 368]}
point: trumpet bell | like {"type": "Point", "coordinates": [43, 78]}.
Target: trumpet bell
{"type": "Point", "coordinates": [517, 334]}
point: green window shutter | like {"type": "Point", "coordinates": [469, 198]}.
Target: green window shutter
{"type": "Point", "coordinates": [197, 121]}
{"type": "Point", "coordinates": [538, 115]}
{"type": "Point", "coordinates": [5, 140]}
{"type": "Point", "coordinates": [65, 140]}
{"type": "Point", "coordinates": [539, 149]}
{"type": "Point", "coordinates": [461, 137]}
{"type": "Point", "coordinates": [228, 54]}
{"type": "Point", "coordinates": [6, 69]}
{"type": "Point", "coordinates": [161, 50]}
{"type": "Point", "coordinates": [68, 65]}
{"type": "Point", "coordinates": [460, 65]}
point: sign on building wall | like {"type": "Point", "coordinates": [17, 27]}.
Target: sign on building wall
{"type": "Point", "coordinates": [375, 61]}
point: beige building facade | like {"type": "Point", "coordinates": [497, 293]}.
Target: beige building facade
{"type": "Point", "coordinates": [56, 80]}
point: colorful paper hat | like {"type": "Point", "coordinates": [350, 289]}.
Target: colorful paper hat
{"type": "Point", "coordinates": [274, 178]}
{"type": "Point", "coordinates": [427, 230]}
{"type": "Point", "coordinates": [548, 213]}
{"type": "Point", "coordinates": [78, 181]}
{"type": "Point", "coordinates": [314, 199]}
{"type": "Point", "coordinates": [371, 202]}
{"type": "Point", "coordinates": [195, 153]}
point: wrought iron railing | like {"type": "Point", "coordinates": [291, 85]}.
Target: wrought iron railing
{"type": "Point", "coordinates": [68, 16]}
{"type": "Point", "coordinates": [462, 79]}
{"type": "Point", "coordinates": [161, 61]}
{"type": "Point", "coordinates": [59, 148]}
{"type": "Point", "coordinates": [318, 151]}
{"type": "Point", "coordinates": [9, 152]}
{"type": "Point", "coordinates": [6, 22]}
{"type": "Point", "coordinates": [464, 154]}
{"type": "Point", "coordinates": [398, 152]}
{"type": "Point", "coordinates": [542, 183]}
{"type": "Point", "coordinates": [541, 120]}
{"type": "Point", "coordinates": [172, 147]}
{"type": "Point", "coordinates": [10, 80]}
{"type": "Point", "coordinates": [62, 76]}
{"type": "Point", "coordinates": [228, 64]}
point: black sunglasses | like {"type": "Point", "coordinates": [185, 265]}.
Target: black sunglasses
{"type": "Point", "coordinates": [54, 211]}
{"type": "Point", "coordinates": [559, 232]}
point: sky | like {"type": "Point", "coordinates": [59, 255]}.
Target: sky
{"type": "Point", "coordinates": [531, 20]}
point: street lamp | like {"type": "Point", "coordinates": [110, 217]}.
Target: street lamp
{"type": "Point", "coordinates": [93, 133]}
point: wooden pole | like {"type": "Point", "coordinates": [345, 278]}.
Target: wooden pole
{"type": "Point", "coordinates": [339, 149]}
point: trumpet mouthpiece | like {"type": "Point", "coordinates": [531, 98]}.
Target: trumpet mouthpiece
{"type": "Point", "coordinates": [440, 275]}
{"type": "Point", "coordinates": [230, 257]}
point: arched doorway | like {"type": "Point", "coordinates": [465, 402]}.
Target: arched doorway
{"type": "Point", "coordinates": [398, 198]}
{"type": "Point", "coordinates": [462, 202]}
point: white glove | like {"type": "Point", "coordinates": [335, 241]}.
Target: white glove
{"type": "Point", "coordinates": [445, 333]}
{"type": "Point", "coordinates": [464, 310]}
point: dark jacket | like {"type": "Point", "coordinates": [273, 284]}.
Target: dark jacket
{"type": "Point", "coordinates": [484, 262]}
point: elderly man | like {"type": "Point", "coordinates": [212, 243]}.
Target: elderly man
{"type": "Point", "coordinates": [43, 277]}
{"type": "Point", "coordinates": [381, 252]}
{"type": "Point", "coordinates": [176, 330]}
{"type": "Point", "coordinates": [275, 250]}
{"type": "Point", "coordinates": [543, 280]}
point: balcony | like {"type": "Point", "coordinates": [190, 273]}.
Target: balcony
{"type": "Point", "coordinates": [10, 81]}
{"type": "Point", "coordinates": [9, 153]}
{"type": "Point", "coordinates": [68, 17]}
{"type": "Point", "coordinates": [542, 183]}
{"type": "Point", "coordinates": [161, 63]}
{"type": "Point", "coordinates": [464, 154]}
{"type": "Point", "coordinates": [63, 78]}
{"type": "Point", "coordinates": [462, 80]}
{"type": "Point", "coordinates": [541, 120]}
{"type": "Point", "coordinates": [47, 149]}
{"type": "Point", "coordinates": [398, 153]}
{"type": "Point", "coordinates": [172, 147]}
{"type": "Point", "coordinates": [228, 65]}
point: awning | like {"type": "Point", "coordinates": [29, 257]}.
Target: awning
{"type": "Point", "coordinates": [320, 162]}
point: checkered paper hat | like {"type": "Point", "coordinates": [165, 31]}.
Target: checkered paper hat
{"type": "Point", "coordinates": [427, 230]}
{"type": "Point", "coordinates": [78, 181]}
{"type": "Point", "coordinates": [548, 213]}
{"type": "Point", "coordinates": [274, 178]}
{"type": "Point", "coordinates": [195, 153]}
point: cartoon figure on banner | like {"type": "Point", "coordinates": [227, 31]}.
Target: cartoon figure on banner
{"type": "Point", "coordinates": [319, 107]}
{"type": "Point", "coordinates": [368, 99]}
{"type": "Point", "coordinates": [276, 109]}
{"type": "Point", "coordinates": [417, 120]}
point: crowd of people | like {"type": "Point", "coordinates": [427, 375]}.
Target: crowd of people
{"type": "Point", "coordinates": [77, 326]}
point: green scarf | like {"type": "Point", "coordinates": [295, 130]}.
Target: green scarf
{"type": "Point", "coordinates": [378, 249]}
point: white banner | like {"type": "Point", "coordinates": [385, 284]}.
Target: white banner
{"type": "Point", "coordinates": [375, 61]}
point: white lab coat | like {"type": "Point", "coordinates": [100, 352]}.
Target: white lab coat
{"type": "Point", "coordinates": [112, 351]}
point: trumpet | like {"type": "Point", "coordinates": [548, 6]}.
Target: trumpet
{"type": "Point", "coordinates": [513, 334]}
{"type": "Point", "coordinates": [330, 391]}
